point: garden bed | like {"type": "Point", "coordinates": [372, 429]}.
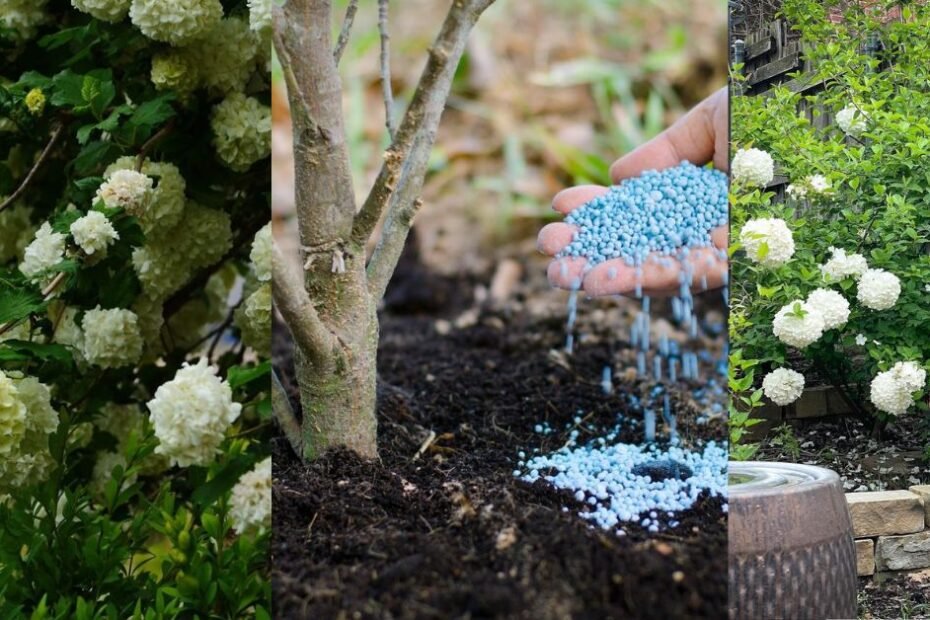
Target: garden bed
{"type": "Point", "coordinates": [453, 533]}
{"type": "Point", "coordinates": [896, 596]}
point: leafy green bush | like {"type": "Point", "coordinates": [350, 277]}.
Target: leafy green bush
{"type": "Point", "coordinates": [134, 309]}
{"type": "Point", "coordinates": [859, 198]}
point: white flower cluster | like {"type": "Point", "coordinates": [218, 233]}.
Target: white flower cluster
{"type": "Point", "coordinates": [261, 254]}
{"type": "Point", "coordinates": [250, 502]}
{"type": "Point", "coordinates": [878, 289]}
{"type": "Point", "coordinates": [175, 21]}
{"type": "Point", "coordinates": [105, 10]}
{"type": "Point", "coordinates": [126, 189]}
{"type": "Point", "coordinates": [254, 319]}
{"type": "Point", "coordinates": [798, 324]}
{"type": "Point", "coordinates": [892, 390]}
{"type": "Point", "coordinates": [831, 305]}
{"type": "Point", "coordinates": [12, 417]}
{"type": "Point", "coordinates": [225, 57]}
{"type": "Point", "coordinates": [752, 167]}
{"type": "Point", "coordinates": [260, 15]}
{"type": "Point", "coordinates": [163, 206]}
{"type": "Point", "coordinates": [783, 386]}
{"type": "Point", "coordinates": [768, 241]}
{"type": "Point", "coordinates": [241, 131]}
{"type": "Point", "coordinates": [842, 265]}
{"type": "Point", "coordinates": [814, 185]}
{"type": "Point", "coordinates": [67, 331]}
{"type": "Point", "coordinates": [111, 337]}
{"type": "Point", "coordinates": [852, 120]}
{"type": "Point", "coordinates": [191, 414]}
{"type": "Point", "coordinates": [16, 231]}
{"type": "Point", "coordinates": [22, 17]}
{"type": "Point", "coordinates": [46, 251]}
{"type": "Point", "coordinates": [26, 421]}
{"type": "Point", "coordinates": [94, 233]}
{"type": "Point", "coordinates": [176, 70]}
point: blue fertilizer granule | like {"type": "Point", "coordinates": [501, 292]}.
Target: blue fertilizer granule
{"type": "Point", "coordinates": [665, 212]}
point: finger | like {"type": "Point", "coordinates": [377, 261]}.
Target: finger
{"type": "Point", "coordinates": [720, 237]}
{"type": "Point", "coordinates": [567, 273]}
{"type": "Point", "coordinates": [554, 237]}
{"type": "Point", "coordinates": [570, 199]}
{"type": "Point", "coordinates": [660, 276]}
{"type": "Point", "coordinates": [699, 137]}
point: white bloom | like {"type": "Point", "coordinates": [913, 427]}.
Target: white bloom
{"type": "Point", "coordinates": [842, 265]}
{"type": "Point", "coordinates": [241, 131]}
{"type": "Point", "coordinates": [852, 120]}
{"type": "Point", "coordinates": [927, 288]}
{"type": "Point", "coordinates": [12, 417]}
{"type": "Point", "coordinates": [225, 57]}
{"type": "Point", "coordinates": [861, 340]}
{"type": "Point", "coordinates": [105, 10]}
{"type": "Point", "coordinates": [260, 14]}
{"type": "Point", "coordinates": [798, 191]}
{"type": "Point", "coordinates": [163, 208]}
{"type": "Point", "coordinates": [878, 289]}
{"type": "Point", "coordinates": [250, 503]}
{"type": "Point", "coordinates": [819, 183]}
{"type": "Point", "coordinates": [752, 167]}
{"type": "Point", "coordinates": [30, 460]}
{"type": "Point", "coordinates": [892, 390]}
{"type": "Point", "coordinates": [46, 251]}
{"type": "Point", "coordinates": [22, 17]}
{"type": "Point", "coordinates": [126, 189]}
{"type": "Point", "coordinates": [175, 21]}
{"type": "Point", "coordinates": [768, 241]}
{"type": "Point", "coordinates": [254, 320]}
{"type": "Point", "coordinates": [111, 337]}
{"type": "Point", "coordinates": [175, 69]}
{"type": "Point", "coordinates": [832, 305]}
{"type": "Point", "coordinates": [261, 253]}
{"type": "Point", "coordinates": [798, 331]}
{"type": "Point", "coordinates": [783, 386]}
{"type": "Point", "coordinates": [93, 233]}
{"type": "Point", "coordinates": [191, 414]}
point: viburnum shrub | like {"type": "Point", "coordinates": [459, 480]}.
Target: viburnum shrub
{"type": "Point", "coordinates": [135, 308]}
{"type": "Point", "coordinates": [832, 284]}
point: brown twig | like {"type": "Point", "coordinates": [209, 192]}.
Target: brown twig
{"type": "Point", "coordinates": [56, 135]}
{"type": "Point", "coordinates": [151, 142]}
{"type": "Point", "coordinates": [284, 414]}
{"type": "Point", "coordinates": [386, 90]}
{"type": "Point", "coordinates": [346, 29]}
{"type": "Point", "coordinates": [46, 295]}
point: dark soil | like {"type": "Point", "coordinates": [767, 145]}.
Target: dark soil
{"type": "Point", "coordinates": [900, 596]}
{"type": "Point", "coordinates": [452, 534]}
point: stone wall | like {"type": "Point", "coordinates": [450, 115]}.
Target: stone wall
{"type": "Point", "coordinates": [892, 529]}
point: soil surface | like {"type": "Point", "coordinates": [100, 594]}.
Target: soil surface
{"type": "Point", "coordinates": [452, 533]}
{"type": "Point", "coordinates": [905, 596]}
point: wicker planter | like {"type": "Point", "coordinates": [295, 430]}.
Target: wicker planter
{"type": "Point", "coordinates": [792, 555]}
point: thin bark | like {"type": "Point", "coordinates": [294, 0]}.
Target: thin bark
{"type": "Point", "coordinates": [284, 414]}
{"type": "Point", "coordinates": [346, 29]}
{"type": "Point", "coordinates": [386, 90]}
{"type": "Point", "coordinates": [56, 135]}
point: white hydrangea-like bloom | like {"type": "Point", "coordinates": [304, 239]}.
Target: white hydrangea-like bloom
{"type": "Point", "coordinates": [23, 17]}
{"type": "Point", "coordinates": [842, 265]}
{"type": "Point", "coordinates": [878, 289]}
{"type": "Point", "coordinates": [176, 70]}
{"type": "Point", "coordinates": [67, 331]}
{"type": "Point", "coordinates": [30, 461]}
{"type": "Point", "coordinates": [46, 251]}
{"type": "Point", "coordinates": [861, 340]}
{"type": "Point", "coordinates": [260, 15]}
{"type": "Point", "coordinates": [852, 120]}
{"type": "Point", "coordinates": [250, 502]}
{"type": "Point", "coordinates": [783, 386]}
{"type": "Point", "coordinates": [798, 331]}
{"type": "Point", "coordinates": [165, 206]}
{"type": "Point", "coordinates": [127, 189]}
{"type": "Point", "coordinates": [798, 191]}
{"type": "Point", "coordinates": [768, 241]}
{"type": "Point", "coordinates": [261, 254]}
{"type": "Point", "coordinates": [191, 414]}
{"type": "Point", "coordinates": [105, 10]}
{"type": "Point", "coordinates": [207, 235]}
{"type": "Point", "coordinates": [112, 338]}
{"type": "Point", "coordinates": [892, 391]}
{"type": "Point", "coordinates": [752, 167]}
{"type": "Point", "coordinates": [16, 231]}
{"type": "Point", "coordinates": [241, 131]}
{"type": "Point", "coordinates": [94, 233]}
{"type": "Point", "coordinates": [225, 57]}
{"type": "Point", "coordinates": [819, 184]}
{"type": "Point", "coordinates": [830, 304]}
{"type": "Point", "coordinates": [254, 320]}
{"type": "Point", "coordinates": [12, 418]}
{"type": "Point", "coordinates": [103, 472]}
{"type": "Point", "coordinates": [175, 21]}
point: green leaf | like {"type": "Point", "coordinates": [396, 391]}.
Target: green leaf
{"type": "Point", "coordinates": [18, 350]}
{"type": "Point", "coordinates": [17, 304]}
{"type": "Point", "coordinates": [153, 112]}
{"type": "Point", "coordinates": [224, 481]}
{"type": "Point", "coordinates": [237, 376]}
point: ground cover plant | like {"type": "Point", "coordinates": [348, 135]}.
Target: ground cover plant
{"type": "Point", "coordinates": [830, 284]}
{"type": "Point", "coordinates": [135, 309]}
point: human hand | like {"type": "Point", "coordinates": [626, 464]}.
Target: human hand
{"type": "Point", "coordinates": [699, 137]}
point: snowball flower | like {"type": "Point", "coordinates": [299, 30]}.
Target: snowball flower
{"type": "Point", "coordinates": [105, 10]}
{"type": "Point", "coordinates": [250, 503]}
{"type": "Point", "coordinates": [878, 289]}
{"type": "Point", "coordinates": [260, 15]}
{"type": "Point", "coordinates": [892, 390]}
{"type": "Point", "coordinates": [22, 17]}
{"type": "Point", "coordinates": [819, 183]}
{"type": "Point", "coordinates": [241, 131]}
{"type": "Point", "coordinates": [798, 324]}
{"type": "Point", "coordinates": [93, 233]}
{"type": "Point", "coordinates": [254, 320]}
{"type": "Point", "coordinates": [12, 417]}
{"type": "Point", "coordinates": [798, 191]}
{"type": "Point", "coordinates": [861, 340]}
{"type": "Point", "coordinates": [261, 253]}
{"type": "Point", "coordinates": [46, 251]}
{"type": "Point", "coordinates": [832, 305]}
{"type": "Point", "coordinates": [852, 120]}
{"type": "Point", "coordinates": [768, 241]}
{"type": "Point", "coordinates": [225, 57]}
{"type": "Point", "coordinates": [30, 460]}
{"type": "Point", "coordinates": [175, 70]}
{"type": "Point", "coordinates": [783, 386]}
{"type": "Point", "coordinates": [175, 21]}
{"type": "Point", "coordinates": [126, 189]}
{"type": "Point", "coordinates": [164, 208]}
{"type": "Point", "coordinates": [112, 338]}
{"type": "Point", "coordinates": [842, 265]}
{"type": "Point", "coordinates": [191, 414]}
{"type": "Point", "coordinates": [753, 167]}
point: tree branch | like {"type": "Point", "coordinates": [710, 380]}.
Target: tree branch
{"type": "Point", "coordinates": [346, 28]}
{"type": "Point", "coordinates": [311, 336]}
{"type": "Point", "coordinates": [400, 180]}
{"type": "Point", "coordinates": [56, 135]}
{"type": "Point", "coordinates": [284, 414]}
{"type": "Point", "coordinates": [386, 90]}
